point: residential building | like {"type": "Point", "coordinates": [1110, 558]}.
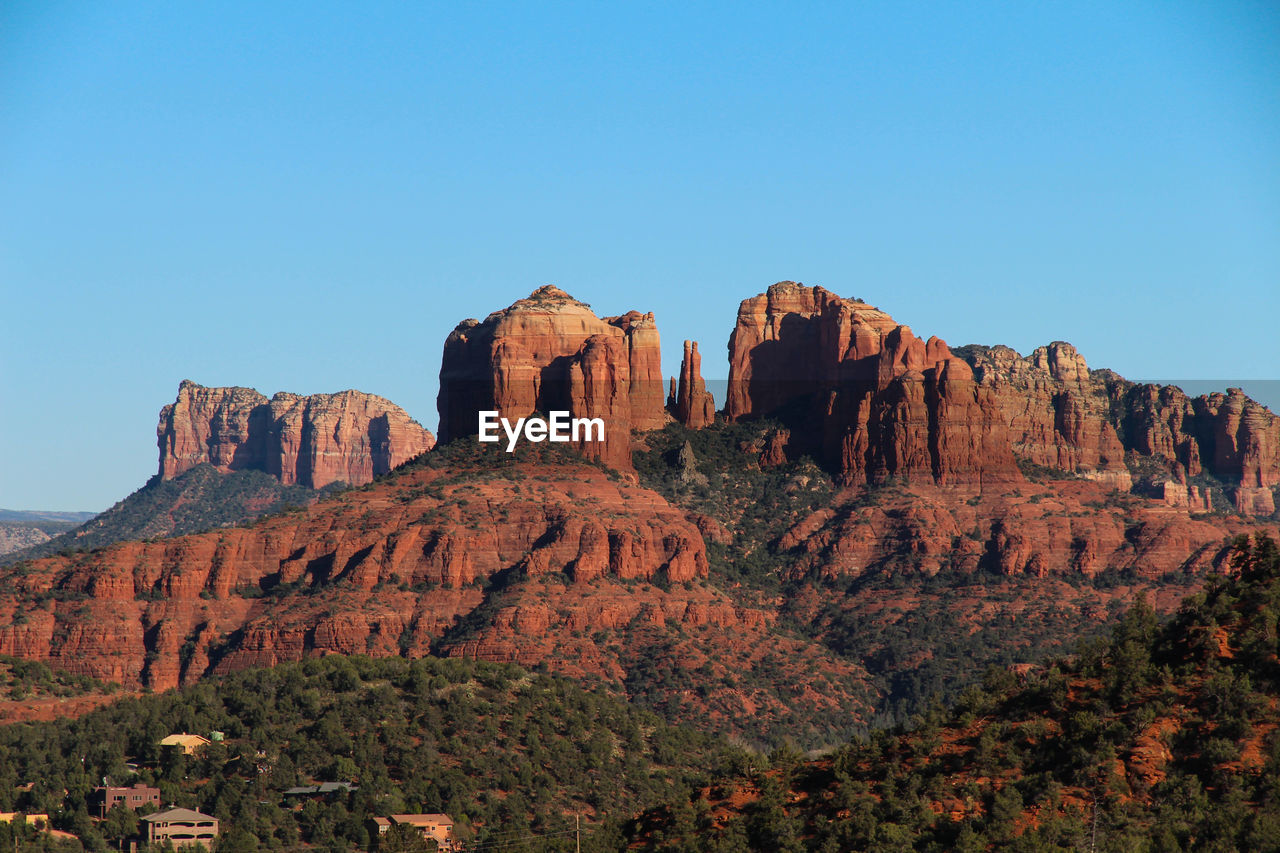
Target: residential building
{"type": "Point", "coordinates": [39, 821]}
{"type": "Point", "coordinates": [438, 827]}
{"type": "Point", "coordinates": [180, 827]}
{"type": "Point", "coordinates": [102, 799]}
{"type": "Point", "coordinates": [189, 744]}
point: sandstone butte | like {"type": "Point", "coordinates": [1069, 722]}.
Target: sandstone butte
{"type": "Point", "coordinates": [874, 402]}
{"type": "Point", "coordinates": [311, 440]}
{"type": "Point", "coordinates": [550, 352]}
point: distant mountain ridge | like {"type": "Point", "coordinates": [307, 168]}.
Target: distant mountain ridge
{"type": "Point", "coordinates": [199, 499]}
{"type": "Point", "coordinates": [32, 516]}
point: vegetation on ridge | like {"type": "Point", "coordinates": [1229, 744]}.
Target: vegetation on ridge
{"type": "Point", "coordinates": [1160, 738]}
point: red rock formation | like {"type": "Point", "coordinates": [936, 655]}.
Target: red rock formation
{"type": "Point", "coordinates": [1057, 528]}
{"type": "Point", "coordinates": [794, 340]}
{"type": "Point", "coordinates": [549, 352]}
{"type": "Point", "coordinates": [542, 563]}
{"type": "Point", "coordinates": [690, 402]}
{"type": "Point", "coordinates": [225, 427]}
{"type": "Point", "coordinates": [1058, 414]}
{"type": "Point", "coordinates": [1244, 443]}
{"type": "Point", "coordinates": [874, 402]}
{"type": "Point", "coordinates": [312, 441]}
{"type": "Point", "coordinates": [147, 599]}
{"type": "Point", "coordinates": [1191, 498]}
{"type": "Point", "coordinates": [877, 402]}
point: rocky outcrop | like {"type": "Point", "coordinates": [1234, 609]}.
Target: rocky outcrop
{"type": "Point", "coordinates": [1065, 416]}
{"type": "Point", "coordinates": [875, 403]}
{"type": "Point", "coordinates": [15, 537]}
{"type": "Point", "coordinates": [863, 392]}
{"type": "Point", "coordinates": [550, 352]}
{"type": "Point", "coordinates": [1058, 413]}
{"type": "Point", "coordinates": [311, 441]}
{"type": "Point", "coordinates": [1244, 443]}
{"type": "Point", "coordinates": [690, 402]}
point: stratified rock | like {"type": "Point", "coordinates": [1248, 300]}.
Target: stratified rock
{"type": "Point", "coordinates": [1244, 443]}
{"type": "Point", "coordinates": [333, 573]}
{"type": "Point", "coordinates": [691, 404]}
{"type": "Point", "coordinates": [874, 402]}
{"type": "Point", "coordinates": [1227, 436]}
{"type": "Point", "coordinates": [550, 352]}
{"type": "Point", "coordinates": [310, 441]}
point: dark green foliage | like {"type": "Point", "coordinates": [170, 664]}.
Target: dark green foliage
{"type": "Point", "coordinates": [1037, 473]}
{"type": "Point", "coordinates": [22, 679]}
{"type": "Point", "coordinates": [934, 648]}
{"type": "Point", "coordinates": [498, 749]}
{"type": "Point", "coordinates": [1071, 745]}
{"type": "Point", "coordinates": [758, 504]}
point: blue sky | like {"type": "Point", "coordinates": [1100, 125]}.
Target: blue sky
{"type": "Point", "coordinates": [309, 196]}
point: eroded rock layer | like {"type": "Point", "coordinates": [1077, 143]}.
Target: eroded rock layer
{"type": "Point", "coordinates": [306, 440]}
{"type": "Point", "coordinates": [549, 562]}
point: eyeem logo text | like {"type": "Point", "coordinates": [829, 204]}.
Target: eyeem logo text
{"type": "Point", "coordinates": [559, 427]}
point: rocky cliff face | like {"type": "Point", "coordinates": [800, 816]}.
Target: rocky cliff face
{"type": "Point", "coordinates": [310, 441]}
{"type": "Point", "coordinates": [157, 595]}
{"type": "Point", "coordinates": [550, 352]}
{"type": "Point", "coordinates": [1058, 413]}
{"type": "Point", "coordinates": [875, 402]}
{"type": "Point", "coordinates": [864, 393]}
{"type": "Point", "coordinates": [1063, 415]}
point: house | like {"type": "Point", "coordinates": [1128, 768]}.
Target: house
{"type": "Point", "coordinates": [39, 821]}
{"type": "Point", "coordinates": [189, 744]}
{"type": "Point", "coordinates": [181, 828]}
{"type": "Point", "coordinates": [103, 798]}
{"type": "Point", "coordinates": [438, 827]}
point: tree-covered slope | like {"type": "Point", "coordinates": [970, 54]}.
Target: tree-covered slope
{"type": "Point", "coordinates": [199, 499]}
{"type": "Point", "coordinates": [1164, 737]}
{"type": "Point", "coordinates": [505, 752]}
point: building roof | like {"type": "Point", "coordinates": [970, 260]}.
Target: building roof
{"type": "Point", "coordinates": [184, 739]}
{"type": "Point", "coordinates": [178, 814]}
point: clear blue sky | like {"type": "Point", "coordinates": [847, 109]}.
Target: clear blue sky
{"type": "Point", "coordinates": [309, 196]}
